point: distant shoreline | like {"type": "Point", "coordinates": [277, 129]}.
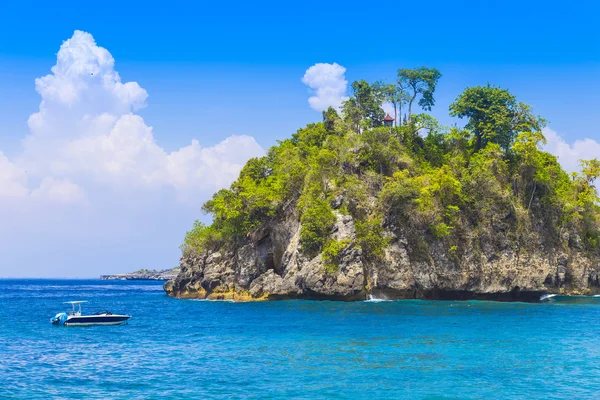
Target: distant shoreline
{"type": "Point", "coordinates": [142, 275]}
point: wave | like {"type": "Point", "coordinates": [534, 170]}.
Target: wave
{"type": "Point", "coordinates": [564, 299]}
{"type": "Point", "coordinates": [373, 299]}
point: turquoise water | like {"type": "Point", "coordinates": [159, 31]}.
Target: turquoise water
{"type": "Point", "coordinates": [292, 349]}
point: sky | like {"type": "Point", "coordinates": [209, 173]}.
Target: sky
{"type": "Point", "coordinates": [118, 120]}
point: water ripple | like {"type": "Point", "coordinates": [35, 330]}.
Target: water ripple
{"type": "Point", "coordinates": [292, 349]}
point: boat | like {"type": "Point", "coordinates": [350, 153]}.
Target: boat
{"type": "Point", "coordinates": [76, 318]}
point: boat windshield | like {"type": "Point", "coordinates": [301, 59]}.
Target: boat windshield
{"type": "Point", "coordinates": [103, 312]}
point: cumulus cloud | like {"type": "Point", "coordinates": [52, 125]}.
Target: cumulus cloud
{"type": "Point", "coordinates": [62, 191]}
{"type": "Point", "coordinates": [90, 166]}
{"type": "Point", "coordinates": [570, 154]}
{"type": "Point", "coordinates": [328, 83]}
{"type": "Point", "coordinates": [13, 180]}
{"type": "Point", "coordinates": [86, 130]}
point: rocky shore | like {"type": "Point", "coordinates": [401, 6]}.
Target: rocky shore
{"type": "Point", "coordinates": [271, 265]}
{"type": "Point", "coordinates": [143, 274]}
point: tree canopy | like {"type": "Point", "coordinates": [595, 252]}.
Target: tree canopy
{"type": "Point", "coordinates": [419, 82]}
{"type": "Point", "coordinates": [437, 183]}
{"type": "Point", "coordinates": [494, 115]}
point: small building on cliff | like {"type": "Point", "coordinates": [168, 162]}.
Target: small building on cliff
{"type": "Point", "coordinates": [388, 121]}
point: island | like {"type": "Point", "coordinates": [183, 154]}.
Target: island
{"type": "Point", "coordinates": [365, 205]}
{"type": "Point", "coordinates": [144, 274]}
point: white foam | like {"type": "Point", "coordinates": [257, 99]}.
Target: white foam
{"type": "Point", "coordinates": [373, 299]}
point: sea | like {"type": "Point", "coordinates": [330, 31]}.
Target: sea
{"type": "Point", "coordinates": [190, 349]}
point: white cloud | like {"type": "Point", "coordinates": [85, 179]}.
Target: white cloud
{"type": "Point", "coordinates": [62, 191]}
{"type": "Point", "coordinates": [87, 147]}
{"type": "Point", "coordinates": [84, 75]}
{"type": "Point", "coordinates": [329, 84]}
{"type": "Point", "coordinates": [86, 131]}
{"type": "Point", "coordinates": [570, 154]}
{"type": "Point", "coordinates": [13, 180]}
{"type": "Point", "coordinates": [388, 108]}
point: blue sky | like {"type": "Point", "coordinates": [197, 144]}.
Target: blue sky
{"type": "Point", "coordinates": [235, 68]}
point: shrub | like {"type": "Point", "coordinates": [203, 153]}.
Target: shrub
{"type": "Point", "coordinates": [440, 230]}
{"type": "Point", "coordinates": [331, 254]}
{"type": "Point", "coordinates": [369, 236]}
{"type": "Point", "coordinates": [201, 238]}
{"type": "Point", "coordinates": [317, 220]}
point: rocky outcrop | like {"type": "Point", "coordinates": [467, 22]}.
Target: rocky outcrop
{"type": "Point", "coordinates": [143, 275]}
{"type": "Point", "coordinates": [271, 265]}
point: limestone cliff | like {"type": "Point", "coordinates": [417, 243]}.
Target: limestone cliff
{"type": "Point", "coordinates": [271, 265]}
{"type": "Point", "coordinates": [343, 212]}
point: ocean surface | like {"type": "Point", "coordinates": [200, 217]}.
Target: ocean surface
{"type": "Point", "coordinates": [179, 349]}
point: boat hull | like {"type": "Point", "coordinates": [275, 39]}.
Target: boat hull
{"type": "Point", "coordinates": [97, 320]}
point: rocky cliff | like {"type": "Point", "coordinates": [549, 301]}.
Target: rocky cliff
{"type": "Point", "coordinates": [339, 211]}
{"type": "Point", "coordinates": [271, 265]}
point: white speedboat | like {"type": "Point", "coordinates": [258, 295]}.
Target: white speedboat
{"type": "Point", "coordinates": [75, 318]}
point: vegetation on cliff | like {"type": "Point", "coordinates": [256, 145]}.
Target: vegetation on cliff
{"type": "Point", "coordinates": [432, 182]}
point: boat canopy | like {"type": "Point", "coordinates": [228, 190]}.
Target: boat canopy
{"type": "Point", "coordinates": [75, 303]}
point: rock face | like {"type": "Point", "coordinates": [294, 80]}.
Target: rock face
{"type": "Point", "coordinates": [271, 265]}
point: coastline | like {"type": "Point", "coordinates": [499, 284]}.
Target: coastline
{"type": "Point", "coordinates": [142, 275]}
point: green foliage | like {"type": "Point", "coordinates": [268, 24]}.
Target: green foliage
{"type": "Point", "coordinates": [419, 179]}
{"type": "Point", "coordinates": [330, 118]}
{"type": "Point", "coordinates": [398, 196]}
{"type": "Point", "coordinates": [370, 237]}
{"type": "Point", "coordinates": [440, 230]}
{"type": "Point", "coordinates": [201, 238]}
{"type": "Point", "coordinates": [419, 82]}
{"type": "Point", "coordinates": [352, 114]}
{"type": "Point", "coordinates": [369, 99]}
{"type": "Point", "coordinates": [381, 151]}
{"type": "Point", "coordinates": [495, 115]}
{"type": "Point", "coordinates": [331, 254]}
{"type": "Point", "coordinates": [391, 94]}
{"type": "Point", "coordinates": [317, 220]}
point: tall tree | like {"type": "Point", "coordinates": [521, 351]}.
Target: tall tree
{"type": "Point", "coordinates": [352, 113]}
{"type": "Point", "coordinates": [403, 97]}
{"type": "Point", "coordinates": [392, 94]}
{"type": "Point", "coordinates": [330, 116]}
{"type": "Point", "coordinates": [495, 115]}
{"type": "Point", "coordinates": [421, 81]}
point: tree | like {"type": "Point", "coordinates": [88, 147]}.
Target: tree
{"type": "Point", "coordinates": [403, 97]}
{"type": "Point", "coordinates": [590, 170]}
{"type": "Point", "coordinates": [330, 116]}
{"type": "Point", "coordinates": [495, 116]}
{"type": "Point", "coordinates": [421, 81]}
{"type": "Point", "coordinates": [531, 162]}
{"type": "Point", "coordinates": [352, 113]}
{"type": "Point", "coordinates": [427, 122]}
{"type": "Point", "coordinates": [393, 95]}
{"type": "Point", "coordinates": [369, 99]}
